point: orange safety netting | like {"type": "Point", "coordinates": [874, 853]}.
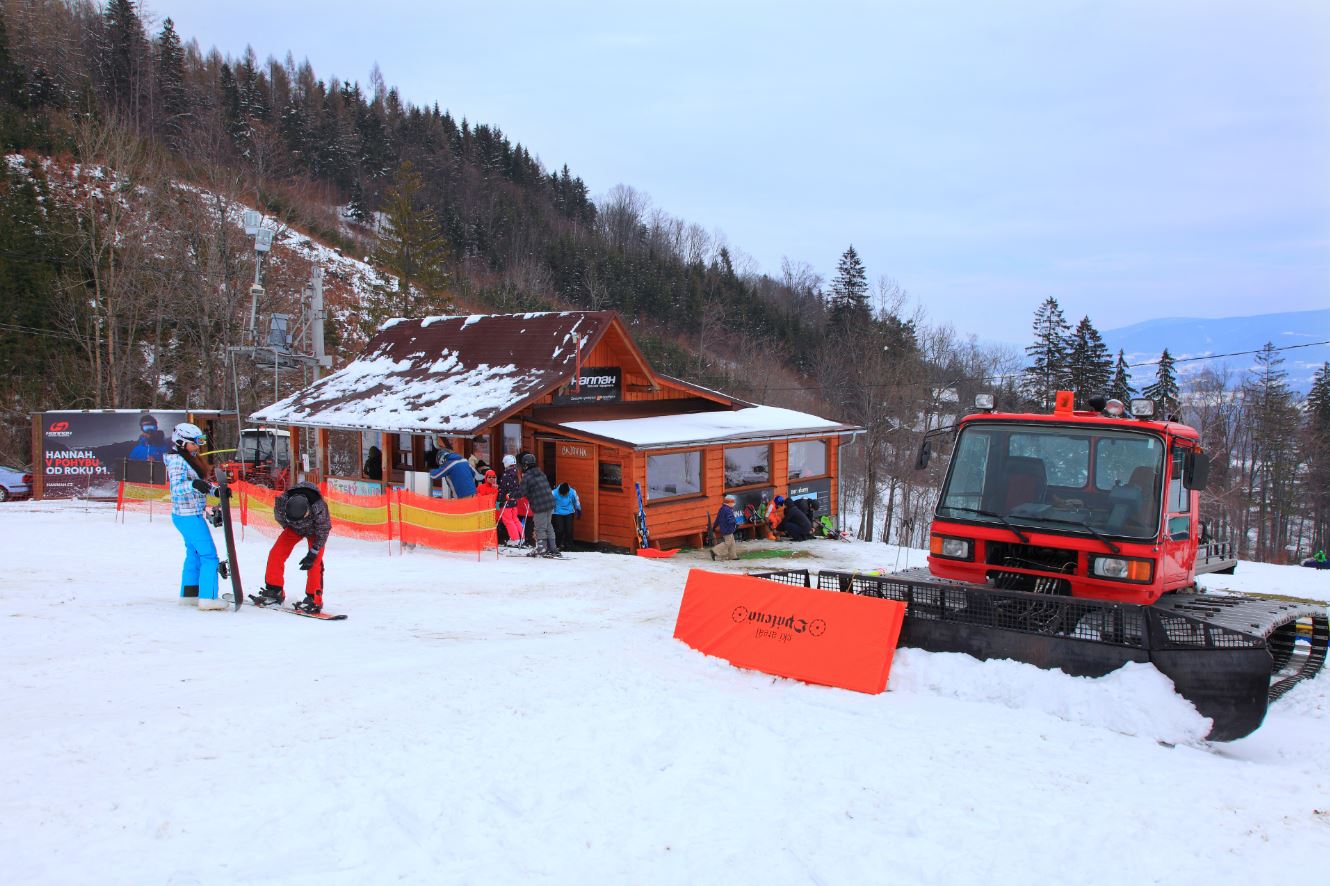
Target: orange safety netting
{"type": "Point", "coordinates": [466, 524]}
{"type": "Point", "coordinates": [449, 524]}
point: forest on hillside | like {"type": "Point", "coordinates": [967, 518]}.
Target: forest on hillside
{"type": "Point", "coordinates": [124, 280]}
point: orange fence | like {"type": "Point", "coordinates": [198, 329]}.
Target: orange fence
{"type": "Point", "coordinates": [465, 525]}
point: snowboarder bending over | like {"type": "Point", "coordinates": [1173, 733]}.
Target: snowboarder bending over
{"type": "Point", "coordinates": [302, 513]}
{"type": "Point", "coordinates": [189, 500]}
{"type": "Point", "coordinates": [536, 488]}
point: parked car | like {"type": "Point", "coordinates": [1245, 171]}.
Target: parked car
{"type": "Point", "coordinates": [14, 483]}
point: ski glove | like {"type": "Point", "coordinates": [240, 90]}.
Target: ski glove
{"type": "Point", "coordinates": [579, 512]}
{"type": "Point", "coordinates": [202, 486]}
{"type": "Point", "coordinates": [307, 561]}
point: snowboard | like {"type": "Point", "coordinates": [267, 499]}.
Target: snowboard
{"type": "Point", "coordinates": [232, 569]}
{"type": "Point", "coordinates": [707, 540]}
{"type": "Point", "coordinates": [322, 616]}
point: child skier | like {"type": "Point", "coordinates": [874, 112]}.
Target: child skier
{"type": "Point", "coordinates": [536, 488]}
{"type": "Point", "coordinates": [302, 513]}
{"type": "Point", "coordinates": [510, 491]}
{"type": "Point", "coordinates": [189, 498]}
{"type": "Point", "coordinates": [724, 528]}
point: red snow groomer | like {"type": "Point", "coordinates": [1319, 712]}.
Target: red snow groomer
{"type": "Point", "coordinates": [1072, 540]}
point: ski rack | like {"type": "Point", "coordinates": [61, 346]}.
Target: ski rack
{"type": "Point", "coordinates": [1230, 656]}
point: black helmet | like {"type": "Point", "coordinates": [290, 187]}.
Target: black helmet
{"type": "Point", "coordinates": [528, 461]}
{"type": "Point", "coordinates": [297, 506]}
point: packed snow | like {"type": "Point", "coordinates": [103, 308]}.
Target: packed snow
{"type": "Point", "coordinates": [756, 422]}
{"type": "Point", "coordinates": [513, 720]}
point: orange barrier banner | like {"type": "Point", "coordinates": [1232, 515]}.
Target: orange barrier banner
{"type": "Point", "coordinates": [816, 636]}
{"type": "Point", "coordinates": [448, 524]}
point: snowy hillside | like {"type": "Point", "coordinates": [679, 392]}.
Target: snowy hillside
{"type": "Point", "coordinates": [1197, 337]}
{"type": "Point", "coordinates": [519, 720]}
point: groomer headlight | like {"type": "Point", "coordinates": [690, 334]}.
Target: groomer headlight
{"type": "Point", "coordinates": [1142, 408]}
{"type": "Point", "coordinates": [1114, 408]}
{"type": "Point", "coordinates": [1123, 568]}
{"type": "Point", "coordinates": [983, 401]}
{"type": "Point", "coordinates": [950, 548]}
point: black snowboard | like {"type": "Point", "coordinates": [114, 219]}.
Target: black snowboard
{"type": "Point", "coordinates": [232, 564]}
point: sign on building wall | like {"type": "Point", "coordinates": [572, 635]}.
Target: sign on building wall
{"type": "Point", "coordinates": [595, 384]}
{"type": "Point", "coordinates": [816, 489]}
{"type": "Point", "coordinates": [574, 450]}
{"type": "Point", "coordinates": [85, 454]}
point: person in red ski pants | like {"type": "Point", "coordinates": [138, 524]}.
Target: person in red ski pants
{"type": "Point", "coordinates": [303, 514]}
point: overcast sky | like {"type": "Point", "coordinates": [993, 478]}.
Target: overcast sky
{"type": "Point", "coordinates": [1132, 159]}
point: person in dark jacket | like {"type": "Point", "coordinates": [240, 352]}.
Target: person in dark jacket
{"type": "Point", "coordinates": [302, 513]}
{"type": "Point", "coordinates": [536, 488]}
{"type": "Point", "coordinates": [723, 529]}
{"type": "Point", "coordinates": [458, 479]}
{"type": "Point", "coordinates": [510, 493]}
{"type": "Point", "coordinates": [374, 464]}
{"type": "Point", "coordinates": [796, 523]}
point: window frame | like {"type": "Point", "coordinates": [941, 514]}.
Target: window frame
{"type": "Point", "coordinates": [826, 460]}
{"type": "Point", "coordinates": [757, 484]}
{"type": "Point", "coordinates": [700, 492]}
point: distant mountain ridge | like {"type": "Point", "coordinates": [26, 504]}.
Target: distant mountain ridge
{"type": "Point", "coordinates": [1191, 337]}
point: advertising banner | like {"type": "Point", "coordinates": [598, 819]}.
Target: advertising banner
{"type": "Point", "coordinates": [816, 636]}
{"type": "Point", "coordinates": [819, 490]}
{"type": "Point", "coordinates": [85, 454]}
{"type": "Point", "coordinates": [595, 384]}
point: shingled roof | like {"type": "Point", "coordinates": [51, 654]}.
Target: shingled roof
{"type": "Point", "coordinates": [449, 375]}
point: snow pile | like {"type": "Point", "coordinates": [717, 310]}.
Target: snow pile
{"type": "Point", "coordinates": [1134, 700]}
{"type": "Point", "coordinates": [668, 430]}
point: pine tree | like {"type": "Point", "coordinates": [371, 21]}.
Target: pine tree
{"type": "Point", "coordinates": [412, 248]}
{"type": "Point", "coordinates": [1316, 456]}
{"type": "Point", "coordinates": [121, 56]}
{"type": "Point", "coordinates": [1048, 370]}
{"type": "Point", "coordinates": [848, 304]}
{"type": "Point", "coordinates": [1089, 366]}
{"type": "Point", "coordinates": [1164, 389]}
{"type": "Point", "coordinates": [173, 109]}
{"type": "Point", "coordinates": [1120, 388]}
{"type": "Point", "coordinates": [1272, 422]}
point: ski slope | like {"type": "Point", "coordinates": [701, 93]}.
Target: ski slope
{"type": "Point", "coordinates": [529, 721]}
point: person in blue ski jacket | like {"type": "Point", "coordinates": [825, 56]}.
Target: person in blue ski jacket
{"type": "Point", "coordinates": [189, 498]}
{"type": "Point", "coordinates": [151, 444]}
{"type": "Point", "coordinates": [723, 529]}
{"type": "Point", "coordinates": [566, 506]}
{"type": "Point", "coordinates": [455, 473]}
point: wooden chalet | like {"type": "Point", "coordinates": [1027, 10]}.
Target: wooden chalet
{"type": "Point", "coordinates": [575, 390]}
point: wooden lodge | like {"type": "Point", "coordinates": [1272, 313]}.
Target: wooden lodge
{"type": "Point", "coordinates": [573, 389]}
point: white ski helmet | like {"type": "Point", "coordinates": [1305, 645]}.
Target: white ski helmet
{"type": "Point", "coordinates": [509, 461]}
{"type": "Point", "coordinates": [188, 433]}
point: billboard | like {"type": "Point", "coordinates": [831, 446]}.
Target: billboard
{"type": "Point", "coordinates": [85, 454]}
{"type": "Point", "coordinates": [818, 490]}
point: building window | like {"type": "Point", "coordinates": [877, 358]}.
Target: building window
{"type": "Point", "coordinates": [512, 439]}
{"type": "Point", "coordinates": [611, 475]}
{"type": "Point", "coordinates": [747, 466]}
{"type": "Point", "coordinates": [403, 454]}
{"type": "Point", "coordinates": [808, 458]}
{"type": "Point", "coordinates": [674, 475]}
{"type": "Point", "coordinates": [344, 454]}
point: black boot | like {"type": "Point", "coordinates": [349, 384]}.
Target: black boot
{"type": "Point", "coordinates": [269, 596]}
{"type": "Point", "coordinates": [312, 605]}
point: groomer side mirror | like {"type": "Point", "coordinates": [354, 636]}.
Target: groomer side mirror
{"type": "Point", "coordinates": [925, 454]}
{"type": "Point", "coordinates": [1197, 473]}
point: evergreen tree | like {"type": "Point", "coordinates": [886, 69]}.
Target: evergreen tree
{"type": "Point", "coordinates": [121, 56]}
{"type": "Point", "coordinates": [1164, 389]}
{"type": "Point", "coordinates": [848, 304]}
{"type": "Point", "coordinates": [1048, 369]}
{"type": "Point", "coordinates": [413, 249]}
{"type": "Point", "coordinates": [174, 113]}
{"type": "Point", "coordinates": [1316, 455]}
{"type": "Point", "coordinates": [1272, 423]}
{"type": "Point", "coordinates": [1120, 388]}
{"type": "Point", "coordinates": [1089, 366]}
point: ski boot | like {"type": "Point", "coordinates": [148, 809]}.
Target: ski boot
{"type": "Point", "coordinates": [537, 551]}
{"type": "Point", "coordinates": [269, 596]}
{"type": "Point", "coordinates": [552, 554]}
{"type": "Point", "coordinates": [312, 605]}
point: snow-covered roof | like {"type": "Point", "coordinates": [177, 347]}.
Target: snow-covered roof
{"type": "Point", "coordinates": [736, 426]}
{"type": "Point", "coordinates": [450, 375]}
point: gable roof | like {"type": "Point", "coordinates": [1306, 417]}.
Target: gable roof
{"type": "Point", "coordinates": [449, 375]}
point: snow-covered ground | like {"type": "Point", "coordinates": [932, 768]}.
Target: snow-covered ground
{"type": "Point", "coordinates": [520, 720]}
